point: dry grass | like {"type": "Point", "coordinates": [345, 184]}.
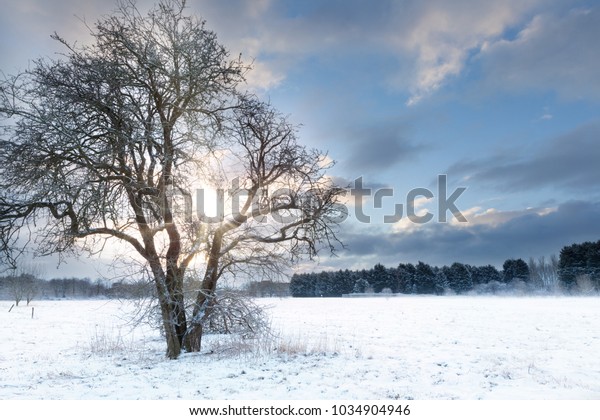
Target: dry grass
{"type": "Point", "coordinates": [108, 341]}
{"type": "Point", "coordinates": [301, 345]}
{"type": "Point", "coordinates": [269, 345]}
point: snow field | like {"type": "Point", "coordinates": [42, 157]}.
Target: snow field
{"type": "Point", "coordinates": [408, 347]}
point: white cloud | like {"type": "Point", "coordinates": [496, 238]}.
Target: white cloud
{"type": "Point", "coordinates": [476, 216]}
{"type": "Point", "coordinates": [444, 34]}
{"type": "Point", "coordinates": [492, 217]}
{"type": "Point", "coordinates": [263, 77]}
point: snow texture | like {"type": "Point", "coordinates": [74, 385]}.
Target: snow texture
{"type": "Point", "coordinates": [403, 347]}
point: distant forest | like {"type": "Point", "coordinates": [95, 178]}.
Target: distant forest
{"type": "Point", "coordinates": [25, 287]}
{"type": "Point", "coordinates": [577, 270]}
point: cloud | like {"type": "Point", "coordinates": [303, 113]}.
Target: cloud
{"type": "Point", "coordinates": [263, 77]}
{"type": "Point", "coordinates": [378, 146]}
{"type": "Point", "coordinates": [26, 26]}
{"type": "Point", "coordinates": [569, 162]}
{"type": "Point", "coordinates": [275, 36]}
{"type": "Point", "coordinates": [493, 217]}
{"type": "Point", "coordinates": [31, 22]}
{"type": "Point", "coordinates": [431, 41]}
{"type": "Point", "coordinates": [551, 53]}
{"type": "Point", "coordinates": [442, 36]}
{"type": "Point", "coordinates": [518, 234]}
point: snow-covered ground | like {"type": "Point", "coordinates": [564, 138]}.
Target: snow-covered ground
{"type": "Point", "coordinates": [353, 348]}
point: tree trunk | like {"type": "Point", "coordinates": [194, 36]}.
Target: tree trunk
{"type": "Point", "coordinates": [193, 338]}
{"type": "Point", "coordinates": [202, 310]}
{"type": "Point", "coordinates": [205, 299]}
{"type": "Point", "coordinates": [168, 319]}
{"type": "Point", "coordinates": [168, 311]}
{"type": "Point", "coordinates": [176, 304]}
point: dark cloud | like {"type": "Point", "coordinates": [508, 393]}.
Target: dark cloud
{"type": "Point", "coordinates": [529, 235]}
{"type": "Point", "coordinates": [569, 162]}
{"type": "Point", "coordinates": [379, 147]}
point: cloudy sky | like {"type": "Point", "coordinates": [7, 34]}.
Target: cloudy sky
{"type": "Point", "coordinates": [503, 96]}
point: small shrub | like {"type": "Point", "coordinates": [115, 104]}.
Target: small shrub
{"type": "Point", "coordinates": [107, 342]}
{"type": "Point", "coordinates": [235, 313]}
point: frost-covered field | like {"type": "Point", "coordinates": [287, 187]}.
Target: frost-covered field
{"type": "Point", "coordinates": [362, 348]}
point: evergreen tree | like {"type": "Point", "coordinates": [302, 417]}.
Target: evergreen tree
{"type": "Point", "coordinates": [424, 278]}
{"type": "Point", "coordinates": [361, 286]}
{"type": "Point", "coordinates": [578, 260]}
{"type": "Point", "coordinates": [515, 269]}
{"type": "Point", "coordinates": [521, 270]}
{"type": "Point", "coordinates": [485, 274]}
{"type": "Point", "coordinates": [342, 282]}
{"type": "Point", "coordinates": [324, 286]}
{"type": "Point", "coordinates": [459, 278]}
{"type": "Point", "coordinates": [441, 281]}
{"type": "Point", "coordinates": [302, 285]}
{"type": "Point", "coordinates": [405, 278]}
{"type": "Point", "coordinates": [393, 272]}
{"type": "Point", "coordinates": [571, 263]}
{"type": "Point", "coordinates": [381, 278]}
{"type": "Point", "coordinates": [593, 262]}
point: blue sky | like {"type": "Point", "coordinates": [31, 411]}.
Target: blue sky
{"type": "Point", "coordinates": [502, 96]}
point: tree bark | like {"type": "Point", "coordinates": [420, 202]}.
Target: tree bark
{"type": "Point", "coordinates": [205, 298]}
{"type": "Point", "coordinates": [167, 309]}
{"type": "Point", "coordinates": [169, 323]}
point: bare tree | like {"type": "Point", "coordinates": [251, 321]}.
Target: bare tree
{"type": "Point", "coordinates": [23, 283]}
{"type": "Point", "coordinates": [16, 288]}
{"type": "Point", "coordinates": [104, 142]}
{"type": "Point", "coordinates": [544, 273]}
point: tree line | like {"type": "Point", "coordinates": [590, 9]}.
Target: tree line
{"type": "Point", "coordinates": [576, 270]}
{"type": "Point", "coordinates": [25, 287]}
